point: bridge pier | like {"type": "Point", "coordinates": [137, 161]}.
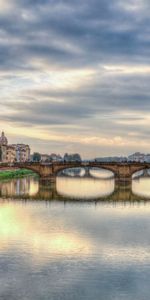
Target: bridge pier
{"type": "Point", "coordinates": [122, 192]}
{"type": "Point", "coordinates": [87, 172]}
{"type": "Point", "coordinates": [48, 180]}
{"type": "Point", "coordinates": [125, 182]}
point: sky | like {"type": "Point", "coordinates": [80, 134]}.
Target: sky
{"type": "Point", "coordinates": [75, 75]}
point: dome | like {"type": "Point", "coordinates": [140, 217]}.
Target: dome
{"type": "Point", "coordinates": [3, 139]}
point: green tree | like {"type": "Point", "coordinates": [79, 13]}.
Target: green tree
{"type": "Point", "coordinates": [36, 156]}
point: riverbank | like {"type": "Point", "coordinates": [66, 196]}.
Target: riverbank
{"type": "Point", "coordinates": [15, 173]}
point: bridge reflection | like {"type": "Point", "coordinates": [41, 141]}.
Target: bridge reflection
{"type": "Point", "coordinates": [86, 172]}
{"type": "Point", "coordinates": [76, 190]}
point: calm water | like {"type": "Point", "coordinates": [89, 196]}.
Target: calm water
{"type": "Point", "coordinates": [81, 239]}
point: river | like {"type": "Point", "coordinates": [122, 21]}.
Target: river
{"type": "Point", "coordinates": [82, 238]}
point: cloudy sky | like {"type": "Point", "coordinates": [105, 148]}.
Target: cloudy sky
{"type": "Point", "coordinates": [75, 75]}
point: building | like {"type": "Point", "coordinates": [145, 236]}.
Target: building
{"type": "Point", "coordinates": [147, 158]}
{"type": "Point", "coordinates": [3, 147]}
{"type": "Point", "coordinates": [136, 157]}
{"type": "Point", "coordinates": [45, 157]}
{"type": "Point", "coordinates": [110, 159]}
{"type": "Point", "coordinates": [22, 152]}
{"type": "Point", "coordinates": [3, 139]}
{"type": "Point", "coordinates": [13, 153]}
{"type": "Point", "coordinates": [139, 157]}
{"type": "Point", "coordinates": [10, 154]}
{"type": "Point", "coordinates": [55, 157]}
{"type": "Point", "coordinates": [72, 157]}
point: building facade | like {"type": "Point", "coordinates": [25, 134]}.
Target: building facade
{"type": "Point", "coordinates": [22, 152]}
{"type": "Point", "coordinates": [3, 147]}
{"type": "Point", "coordinates": [13, 153]}
{"type": "Point", "coordinates": [137, 157]}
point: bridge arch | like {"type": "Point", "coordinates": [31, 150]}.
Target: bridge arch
{"type": "Point", "coordinates": [101, 175]}
{"type": "Point", "coordinates": [10, 167]}
{"type": "Point", "coordinates": [108, 167]}
{"type": "Point", "coordinates": [58, 169]}
{"type": "Point", "coordinates": [77, 171]}
{"type": "Point", "coordinates": [87, 172]}
{"type": "Point", "coordinates": [142, 168]}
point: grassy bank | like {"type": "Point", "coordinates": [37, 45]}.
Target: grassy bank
{"type": "Point", "coordinates": [15, 173]}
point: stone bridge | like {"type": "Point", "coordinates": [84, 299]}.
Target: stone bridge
{"type": "Point", "coordinates": [122, 171]}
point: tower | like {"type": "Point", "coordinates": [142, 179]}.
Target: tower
{"type": "Point", "coordinates": [3, 147]}
{"type": "Point", "coordinates": [3, 140]}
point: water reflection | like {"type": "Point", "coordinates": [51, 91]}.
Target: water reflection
{"type": "Point", "coordinates": [19, 226]}
{"type": "Point", "coordinates": [86, 189]}
{"type": "Point", "coordinates": [74, 252]}
{"type": "Point", "coordinates": [87, 173]}
{"type": "Point", "coordinates": [19, 186]}
{"type": "Point", "coordinates": [141, 187]}
{"type": "Point", "coordinates": [49, 250]}
{"type": "Point", "coordinates": [101, 173]}
{"type": "Point", "coordinates": [74, 188]}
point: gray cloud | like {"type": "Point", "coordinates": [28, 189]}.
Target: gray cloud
{"type": "Point", "coordinates": [36, 39]}
{"type": "Point", "coordinates": [101, 30]}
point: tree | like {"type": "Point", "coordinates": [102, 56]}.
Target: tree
{"type": "Point", "coordinates": [72, 157]}
{"type": "Point", "coordinates": [0, 153]}
{"type": "Point", "coordinates": [36, 156]}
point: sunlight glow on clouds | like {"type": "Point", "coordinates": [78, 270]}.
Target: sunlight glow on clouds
{"type": "Point", "coordinates": [128, 69]}
{"type": "Point", "coordinates": [5, 5]}
{"type": "Point", "coordinates": [132, 5]}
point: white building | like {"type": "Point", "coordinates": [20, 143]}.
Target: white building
{"type": "Point", "coordinates": [45, 157]}
{"type": "Point", "coordinates": [136, 157]}
{"type": "Point", "coordinates": [22, 152]}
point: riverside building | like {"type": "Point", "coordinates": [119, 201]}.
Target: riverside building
{"type": "Point", "coordinates": [13, 153]}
